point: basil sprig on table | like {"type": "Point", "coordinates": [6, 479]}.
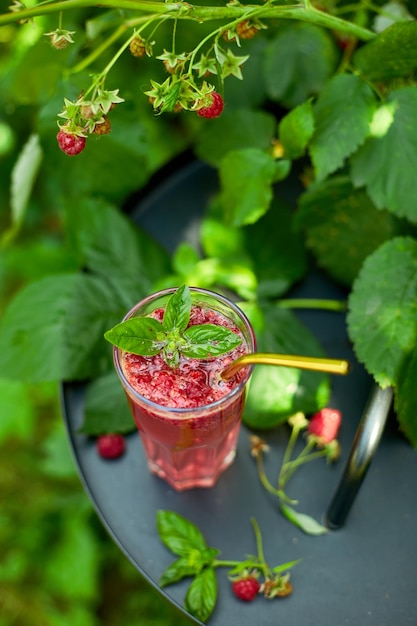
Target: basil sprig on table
{"type": "Point", "coordinates": [198, 561]}
{"type": "Point", "coordinates": [147, 336]}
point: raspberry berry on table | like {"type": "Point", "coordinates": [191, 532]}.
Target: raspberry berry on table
{"type": "Point", "coordinates": [325, 425]}
{"type": "Point", "coordinates": [111, 446]}
{"type": "Point", "coordinates": [246, 588]}
{"type": "Point", "coordinates": [70, 143]}
{"type": "Point", "coordinates": [214, 109]}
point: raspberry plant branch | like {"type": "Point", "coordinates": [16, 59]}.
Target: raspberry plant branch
{"type": "Point", "coordinates": [307, 13]}
{"type": "Point", "coordinates": [98, 51]}
{"type": "Point", "coordinates": [305, 456]}
{"type": "Point", "coordinates": [218, 31]}
{"type": "Point", "coordinates": [198, 561]}
{"type": "Point", "coordinates": [321, 432]}
{"type": "Point", "coordinates": [312, 303]}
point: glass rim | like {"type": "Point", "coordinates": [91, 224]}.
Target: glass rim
{"type": "Point", "coordinates": [204, 407]}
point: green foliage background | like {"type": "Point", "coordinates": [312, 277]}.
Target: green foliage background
{"type": "Point", "coordinates": [336, 105]}
{"type": "Point", "coordinates": [58, 565]}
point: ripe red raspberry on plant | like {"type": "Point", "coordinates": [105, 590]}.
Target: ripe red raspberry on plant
{"type": "Point", "coordinates": [111, 446]}
{"type": "Point", "coordinates": [70, 143]}
{"type": "Point", "coordinates": [246, 588]}
{"type": "Point", "coordinates": [325, 424]}
{"type": "Point", "coordinates": [214, 109]}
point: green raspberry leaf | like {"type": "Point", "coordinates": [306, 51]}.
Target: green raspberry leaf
{"type": "Point", "coordinates": [276, 249]}
{"type": "Point", "coordinates": [275, 393]}
{"type": "Point", "coordinates": [179, 534]}
{"type": "Point", "coordinates": [139, 335]}
{"type": "Point", "coordinates": [185, 258]}
{"type": "Point", "coordinates": [305, 522]}
{"type": "Point", "coordinates": [298, 62]}
{"type": "Point", "coordinates": [296, 129]}
{"type": "Point", "coordinates": [342, 226]}
{"type": "Point", "coordinates": [72, 568]}
{"type": "Point", "coordinates": [406, 398]}
{"type": "Point", "coordinates": [233, 273]}
{"type": "Point", "coordinates": [202, 595]}
{"type": "Point", "coordinates": [24, 174]}
{"type": "Point", "coordinates": [208, 340]}
{"type": "Point", "coordinates": [110, 245]}
{"type": "Point", "coordinates": [177, 311]}
{"type": "Point", "coordinates": [18, 414]}
{"type": "Point", "coordinates": [391, 12]}
{"type": "Point", "coordinates": [392, 54]}
{"type": "Point", "coordinates": [382, 318]}
{"type": "Point", "coordinates": [246, 184]}
{"type": "Point", "coordinates": [386, 164]}
{"type": "Point", "coordinates": [342, 115]}
{"type": "Point", "coordinates": [53, 329]}
{"type": "Point", "coordinates": [235, 130]}
{"type": "Point", "coordinates": [219, 239]}
{"type": "Point", "coordinates": [106, 409]}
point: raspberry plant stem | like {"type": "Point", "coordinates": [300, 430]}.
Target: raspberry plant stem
{"type": "Point", "coordinates": [265, 482]}
{"type": "Point", "coordinates": [312, 303]}
{"type": "Point", "coordinates": [259, 543]}
{"type": "Point", "coordinates": [219, 30]}
{"type": "Point", "coordinates": [259, 562]}
{"type": "Point", "coordinates": [99, 79]}
{"type": "Point", "coordinates": [183, 10]}
{"type": "Point", "coordinates": [97, 52]}
{"type": "Point", "coordinates": [289, 467]}
{"type": "Point", "coordinates": [290, 445]}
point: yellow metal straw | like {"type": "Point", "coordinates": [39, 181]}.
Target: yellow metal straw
{"type": "Point", "coordinates": [316, 364]}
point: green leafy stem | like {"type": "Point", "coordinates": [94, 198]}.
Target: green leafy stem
{"type": "Point", "coordinates": [183, 10]}
{"type": "Point", "coordinates": [312, 303]}
{"type": "Point", "coordinates": [198, 561]}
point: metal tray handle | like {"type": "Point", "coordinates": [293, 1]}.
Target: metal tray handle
{"type": "Point", "coordinates": [364, 446]}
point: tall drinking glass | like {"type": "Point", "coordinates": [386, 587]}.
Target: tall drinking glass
{"type": "Point", "coordinates": [188, 417]}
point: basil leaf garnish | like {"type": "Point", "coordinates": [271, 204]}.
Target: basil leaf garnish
{"type": "Point", "coordinates": [178, 309]}
{"type": "Point", "coordinates": [173, 337]}
{"type": "Point", "coordinates": [208, 340]}
{"type": "Point", "coordinates": [139, 335]}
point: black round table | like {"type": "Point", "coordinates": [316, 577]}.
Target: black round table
{"type": "Point", "coordinates": [363, 574]}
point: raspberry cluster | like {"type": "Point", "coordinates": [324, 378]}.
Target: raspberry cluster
{"type": "Point", "coordinates": [85, 116]}
{"type": "Point", "coordinates": [184, 89]}
{"type": "Point", "coordinates": [247, 586]}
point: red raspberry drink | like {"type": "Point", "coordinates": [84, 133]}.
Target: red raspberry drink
{"type": "Point", "coordinates": [188, 417]}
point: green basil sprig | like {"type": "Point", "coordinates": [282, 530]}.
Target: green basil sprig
{"type": "Point", "coordinates": [198, 561]}
{"type": "Point", "coordinates": [147, 336]}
